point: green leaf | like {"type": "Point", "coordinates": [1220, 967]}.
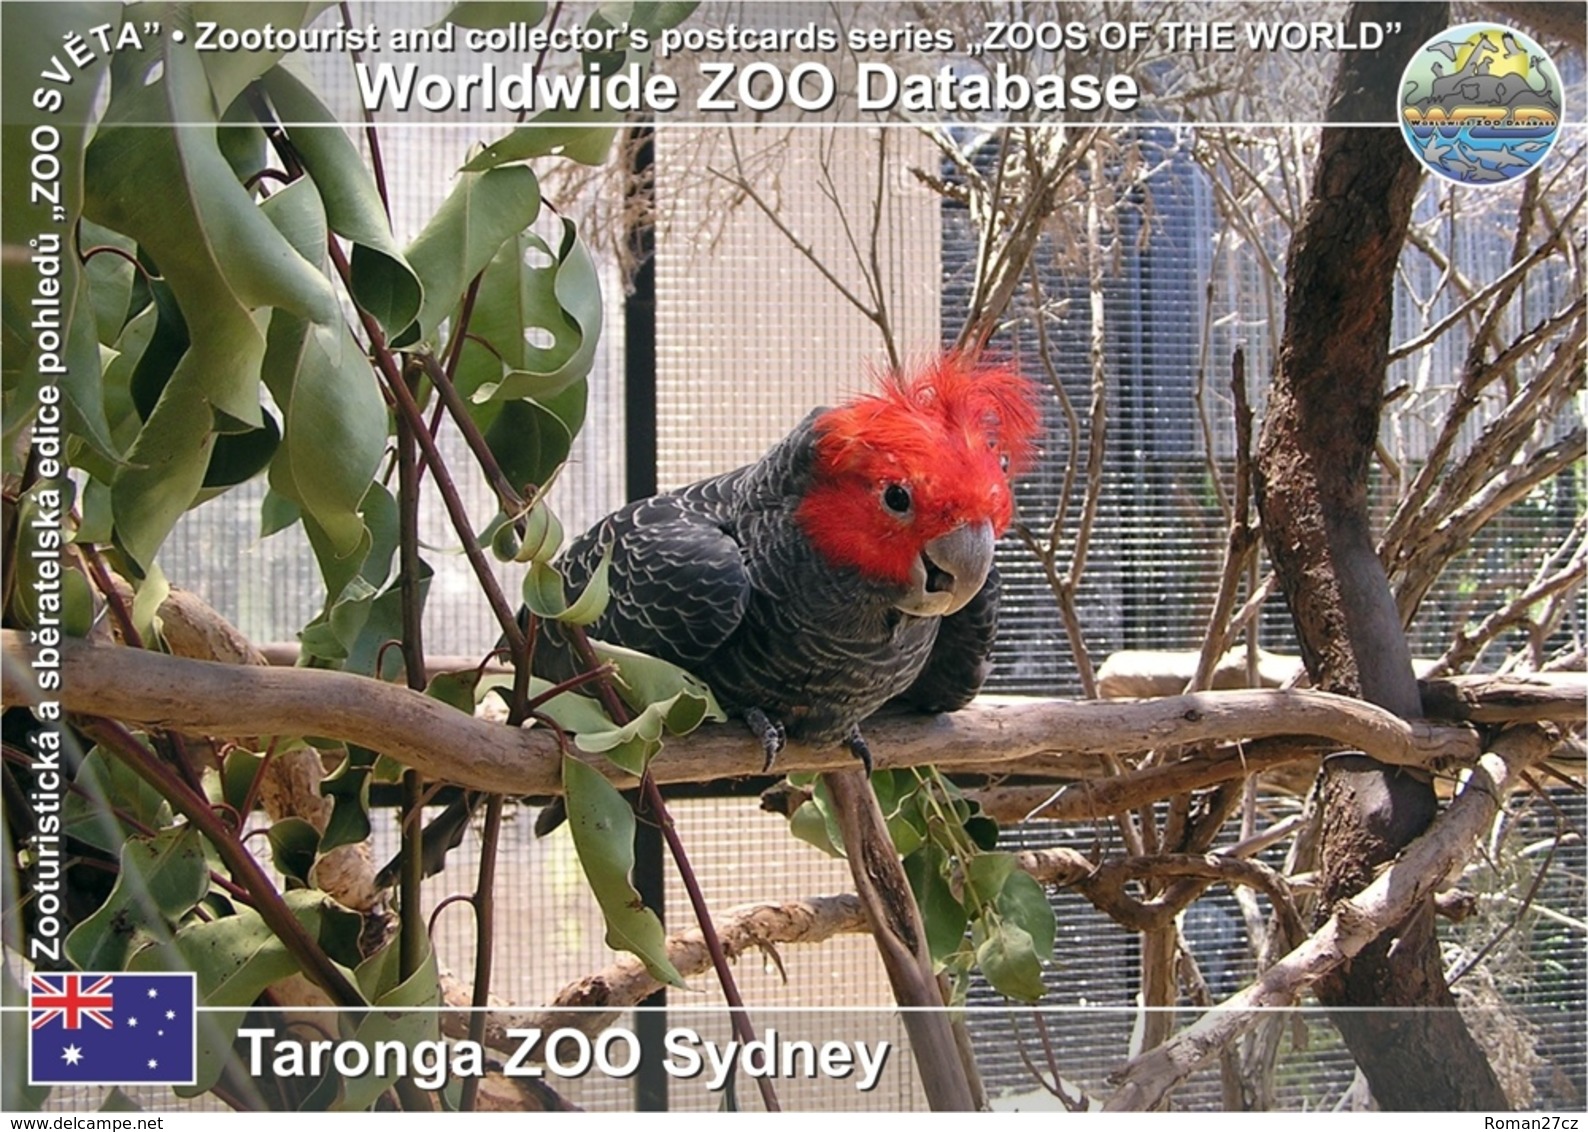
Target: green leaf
{"type": "Point", "coordinates": [238, 771]}
{"type": "Point", "coordinates": [118, 1101]}
{"type": "Point", "coordinates": [155, 172]}
{"type": "Point", "coordinates": [406, 1017]}
{"type": "Point", "coordinates": [239, 457]}
{"type": "Point", "coordinates": [382, 282]}
{"type": "Point", "coordinates": [161, 879]}
{"type": "Point", "coordinates": [102, 783]}
{"type": "Point", "coordinates": [543, 593]}
{"type": "Point", "coordinates": [165, 467]}
{"type": "Point", "coordinates": [494, 13]}
{"type": "Point", "coordinates": [294, 843]}
{"type": "Point", "coordinates": [603, 836]}
{"type": "Point", "coordinates": [167, 343]}
{"type": "Point", "coordinates": [821, 801]}
{"type": "Point", "coordinates": [896, 792]}
{"type": "Point", "coordinates": [334, 425]}
{"type": "Point", "coordinates": [229, 72]}
{"type": "Point", "coordinates": [570, 711]}
{"type": "Point", "coordinates": [633, 745]}
{"type": "Point", "coordinates": [34, 35]}
{"type": "Point", "coordinates": [110, 279]}
{"type": "Point", "coordinates": [1022, 901]}
{"type": "Point", "coordinates": [810, 825]}
{"type": "Point", "coordinates": [530, 441]}
{"type": "Point", "coordinates": [643, 679]}
{"type": "Point", "coordinates": [122, 414]}
{"type": "Point", "coordinates": [76, 612]}
{"type": "Point", "coordinates": [987, 872]}
{"type": "Point", "coordinates": [983, 831]}
{"type": "Point", "coordinates": [152, 590]}
{"type": "Point", "coordinates": [569, 132]}
{"type": "Point", "coordinates": [384, 622]}
{"type": "Point", "coordinates": [455, 689]}
{"type": "Point", "coordinates": [235, 958]}
{"type": "Point", "coordinates": [654, 16]}
{"type": "Point", "coordinates": [277, 512]}
{"type": "Point", "coordinates": [941, 911]}
{"type": "Point", "coordinates": [348, 789]}
{"type": "Point", "coordinates": [542, 535]}
{"type": "Point", "coordinates": [543, 318]}
{"type": "Point", "coordinates": [1009, 960]}
{"type": "Point", "coordinates": [481, 212]}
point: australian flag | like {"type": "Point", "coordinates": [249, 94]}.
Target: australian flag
{"type": "Point", "coordinates": [116, 1029]}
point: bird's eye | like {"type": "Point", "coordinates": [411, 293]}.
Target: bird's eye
{"type": "Point", "coordinates": [896, 498]}
{"type": "Point", "coordinates": [1003, 462]}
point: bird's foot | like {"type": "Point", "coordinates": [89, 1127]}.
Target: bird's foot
{"type": "Point", "coordinates": [856, 742]}
{"type": "Point", "coordinates": [769, 731]}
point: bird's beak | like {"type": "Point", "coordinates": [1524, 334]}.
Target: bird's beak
{"type": "Point", "coordinates": [950, 571]}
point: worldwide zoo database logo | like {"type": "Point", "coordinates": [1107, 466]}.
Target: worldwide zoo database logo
{"type": "Point", "coordinates": [1481, 104]}
{"type": "Point", "coordinates": [118, 1029]}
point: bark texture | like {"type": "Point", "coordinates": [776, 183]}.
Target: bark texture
{"type": "Point", "coordinates": [1313, 461]}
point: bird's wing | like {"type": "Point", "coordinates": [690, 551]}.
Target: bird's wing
{"type": "Point", "coordinates": [678, 581]}
{"type": "Point", "coordinates": [959, 661]}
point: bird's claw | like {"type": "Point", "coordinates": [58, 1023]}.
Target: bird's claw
{"type": "Point", "coordinates": [771, 733]}
{"type": "Point", "coordinates": [858, 747]}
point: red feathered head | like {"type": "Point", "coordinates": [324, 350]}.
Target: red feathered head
{"type": "Point", "coordinates": [908, 477]}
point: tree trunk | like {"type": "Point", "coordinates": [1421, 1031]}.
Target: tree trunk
{"type": "Point", "coordinates": [1313, 461]}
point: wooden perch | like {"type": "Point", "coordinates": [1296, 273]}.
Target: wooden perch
{"type": "Point", "coordinates": [1420, 871]}
{"type": "Point", "coordinates": [151, 689]}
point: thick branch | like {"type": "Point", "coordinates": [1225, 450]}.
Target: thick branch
{"type": "Point", "coordinates": [151, 689]}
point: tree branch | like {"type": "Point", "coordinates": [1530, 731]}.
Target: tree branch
{"type": "Point", "coordinates": [147, 688]}
{"type": "Point", "coordinates": [1419, 872]}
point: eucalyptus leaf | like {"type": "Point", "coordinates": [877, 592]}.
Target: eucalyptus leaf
{"type": "Point", "coordinates": [110, 278]}
{"type": "Point", "coordinates": [382, 281]}
{"type": "Point", "coordinates": [577, 133]}
{"type": "Point", "coordinates": [239, 770]}
{"type": "Point", "coordinates": [810, 825]}
{"type": "Point", "coordinates": [542, 535]}
{"type": "Point", "coordinates": [160, 880]}
{"type": "Point", "coordinates": [494, 13]}
{"type": "Point", "coordinates": [405, 1017]}
{"type": "Point", "coordinates": [229, 72]}
{"type": "Point", "coordinates": [543, 320]}
{"type": "Point", "coordinates": [942, 913]}
{"type": "Point", "coordinates": [235, 958]}
{"type": "Point", "coordinates": [455, 689]}
{"type": "Point", "coordinates": [644, 679]}
{"type": "Point", "coordinates": [1022, 901]}
{"type": "Point", "coordinates": [544, 594]}
{"type": "Point", "coordinates": [153, 173]}
{"type": "Point", "coordinates": [294, 843]}
{"type": "Point", "coordinates": [334, 424]}
{"type": "Point", "coordinates": [35, 33]}
{"type": "Point", "coordinates": [165, 467]}
{"type": "Point", "coordinates": [528, 440]}
{"type": "Point", "coordinates": [633, 745]}
{"type": "Point", "coordinates": [1008, 958]}
{"type": "Point", "coordinates": [603, 836]}
{"type": "Point", "coordinates": [479, 215]}
{"type": "Point", "coordinates": [106, 789]}
{"type": "Point", "coordinates": [348, 788]}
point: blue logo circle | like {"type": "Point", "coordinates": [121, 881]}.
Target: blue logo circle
{"type": "Point", "coordinates": [1481, 104]}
